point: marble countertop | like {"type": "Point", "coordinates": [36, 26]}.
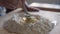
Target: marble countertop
{"type": "Point", "coordinates": [45, 5]}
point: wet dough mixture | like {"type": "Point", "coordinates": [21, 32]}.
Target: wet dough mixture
{"type": "Point", "coordinates": [44, 26]}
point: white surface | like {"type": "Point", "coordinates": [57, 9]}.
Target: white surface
{"type": "Point", "coordinates": [45, 5]}
{"type": "Point", "coordinates": [56, 30]}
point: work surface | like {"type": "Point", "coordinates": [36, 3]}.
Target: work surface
{"type": "Point", "coordinates": [52, 16]}
{"type": "Point", "coordinates": [46, 6]}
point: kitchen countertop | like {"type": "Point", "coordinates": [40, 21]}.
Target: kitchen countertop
{"type": "Point", "coordinates": [52, 16]}
{"type": "Point", "coordinates": [46, 6]}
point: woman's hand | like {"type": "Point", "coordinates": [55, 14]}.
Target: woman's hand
{"type": "Point", "coordinates": [33, 9]}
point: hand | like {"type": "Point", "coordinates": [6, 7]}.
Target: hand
{"type": "Point", "coordinates": [33, 9]}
